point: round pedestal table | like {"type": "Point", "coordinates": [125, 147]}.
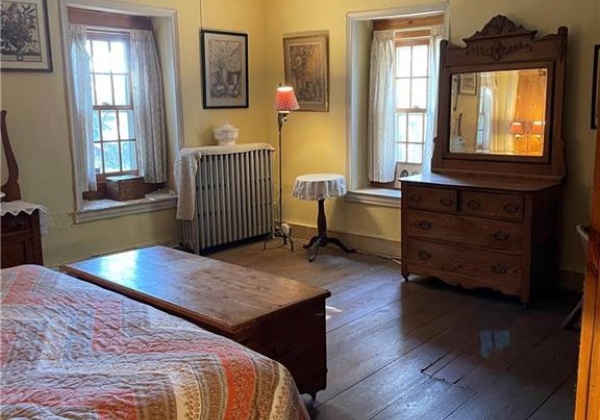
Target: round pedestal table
{"type": "Point", "coordinates": [319, 187]}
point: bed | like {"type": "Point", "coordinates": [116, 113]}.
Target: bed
{"type": "Point", "coordinates": [71, 349]}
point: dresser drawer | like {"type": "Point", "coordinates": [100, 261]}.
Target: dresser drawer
{"type": "Point", "coordinates": [484, 266]}
{"type": "Point", "coordinates": [18, 223]}
{"type": "Point", "coordinates": [426, 198]}
{"type": "Point", "coordinates": [495, 234]}
{"type": "Point", "coordinates": [500, 206]}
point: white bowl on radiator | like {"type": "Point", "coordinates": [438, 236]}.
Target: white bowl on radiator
{"type": "Point", "coordinates": [226, 134]}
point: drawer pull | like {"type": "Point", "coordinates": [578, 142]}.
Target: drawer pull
{"type": "Point", "coordinates": [415, 198]}
{"type": "Point", "coordinates": [425, 225]}
{"type": "Point", "coordinates": [511, 208]}
{"type": "Point", "coordinates": [424, 255]}
{"type": "Point", "coordinates": [474, 205]}
{"type": "Point", "coordinates": [446, 201]}
{"type": "Point", "coordinates": [501, 235]}
{"type": "Point", "coordinates": [499, 269]}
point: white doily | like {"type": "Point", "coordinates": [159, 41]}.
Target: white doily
{"type": "Point", "coordinates": [18, 206]}
{"type": "Point", "coordinates": [319, 186]}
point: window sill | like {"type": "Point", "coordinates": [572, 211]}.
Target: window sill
{"type": "Point", "coordinates": [376, 196]}
{"type": "Point", "coordinates": [105, 209]}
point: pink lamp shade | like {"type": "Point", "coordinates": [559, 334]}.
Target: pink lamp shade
{"type": "Point", "coordinates": [537, 128]}
{"type": "Point", "coordinates": [285, 99]}
{"type": "Point", "coordinates": [517, 129]}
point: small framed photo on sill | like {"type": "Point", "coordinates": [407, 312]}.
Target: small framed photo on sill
{"type": "Point", "coordinates": [224, 69]}
{"type": "Point", "coordinates": [24, 39]}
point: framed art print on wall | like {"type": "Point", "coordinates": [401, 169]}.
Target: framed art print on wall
{"type": "Point", "coordinates": [467, 84]}
{"type": "Point", "coordinates": [307, 69]}
{"type": "Point", "coordinates": [224, 69]}
{"type": "Point", "coordinates": [24, 38]}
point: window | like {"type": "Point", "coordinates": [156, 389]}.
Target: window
{"type": "Point", "coordinates": [393, 136]}
{"type": "Point", "coordinates": [113, 120]}
{"type": "Point", "coordinates": [411, 96]}
{"type": "Point", "coordinates": [117, 100]}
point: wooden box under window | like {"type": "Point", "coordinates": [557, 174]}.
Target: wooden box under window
{"type": "Point", "coordinates": [125, 187]}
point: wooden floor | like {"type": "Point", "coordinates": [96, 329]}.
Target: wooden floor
{"type": "Point", "coordinates": [424, 350]}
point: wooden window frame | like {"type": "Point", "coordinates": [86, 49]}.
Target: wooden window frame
{"type": "Point", "coordinates": [113, 36]}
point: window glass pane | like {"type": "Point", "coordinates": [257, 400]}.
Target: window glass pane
{"type": "Point", "coordinates": [419, 62]}
{"type": "Point", "coordinates": [415, 128]}
{"type": "Point", "coordinates": [96, 125]}
{"type": "Point", "coordinates": [401, 127]}
{"type": "Point", "coordinates": [101, 57]}
{"type": "Point", "coordinates": [109, 125]}
{"type": "Point", "coordinates": [403, 93]}
{"type": "Point", "coordinates": [121, 86]}
{"type": "Point", "coordinates": [403, 62]}
{"type": "Point", "coordinates": [103, 90]}
{"type": "Point", "coordinates": [98, 158]}
{"type": "Point", "coordinates": [419, 93]}
{"type": "Point", "coordinates": [400, 152]}
{"type": "Point", "coordinates": [415, 153]}
{"type": "Point", "coordinates": [118, 57]}
{"type": "Point", "coordinates": [126, 127]}
{"type": "Point", "coordinates": [111, 157]}
{"type": "Point", "coordinates": [128, 155]}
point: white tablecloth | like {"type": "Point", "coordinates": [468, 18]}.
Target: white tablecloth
{"type": "Point", "coordinates": [20, 206]}
{"type": "Point", "coordinates": [319, 186]}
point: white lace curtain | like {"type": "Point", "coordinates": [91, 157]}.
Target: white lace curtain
{"type": "Point", "coordinates": [83, 141]}
{"type": "Point", "coordinates": [148, 105]}
{"type": "Point", "coordinates": [382, 112]}
{"type": "Point", "coordinates": [432, 94]}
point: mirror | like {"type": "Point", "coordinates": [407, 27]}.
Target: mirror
{"type": "Point", "coordinates": [499, 112]}
{"type": "Point", "coordinates": [501, 98]}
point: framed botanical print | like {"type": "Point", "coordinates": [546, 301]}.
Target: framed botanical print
{"type": "Point", "coordinates": [24, 38]}
{"type": "Point", "coordinates": [224, 69]}
{"type": "Point", "coordinates": [307, 70]}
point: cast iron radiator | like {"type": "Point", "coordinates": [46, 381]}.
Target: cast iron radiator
{"type": "Point", "coordinates": [234, 197]}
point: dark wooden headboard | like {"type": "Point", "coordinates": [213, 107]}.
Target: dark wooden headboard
{"type": "Point", "coordinates": [11, 187]}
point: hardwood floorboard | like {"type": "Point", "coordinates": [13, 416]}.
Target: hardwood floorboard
{"type": "Point", "coordinates": [432, 400]}
{"type": "Point", "coordinates": [424, 350]}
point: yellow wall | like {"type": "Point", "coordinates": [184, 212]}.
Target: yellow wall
{"type": "Point", "coordinates": [38, 125]}
{"type": "Point", "coordinates": [312, 142]}
{"type": "Point", "coordinates": [316, 142]}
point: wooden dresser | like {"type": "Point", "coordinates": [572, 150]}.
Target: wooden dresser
{"type": "Point", "coordinates": [481, 231]}
{"type": "Point", "coordinates": [488, 214]}
{"type": "Point", "coordinates": [21, 242]}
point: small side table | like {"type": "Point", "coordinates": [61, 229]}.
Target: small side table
{"type": "Point", "coordinates": [318, 187]}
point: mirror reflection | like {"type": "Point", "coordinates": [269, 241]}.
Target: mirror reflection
{"type": "Point", "coordinates": [499, 112]}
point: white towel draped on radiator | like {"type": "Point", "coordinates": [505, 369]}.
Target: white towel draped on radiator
{"type": "Point", "coordinates": [186, 168]}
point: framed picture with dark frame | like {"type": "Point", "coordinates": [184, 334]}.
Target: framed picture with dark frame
{"type": "Point", "coordinates": [467, 84]}
{"type": "Point", "coordinates": [307, 69]}
{"type": "Point", "coordinates": [24, 38]}
{"type": "Point", "coordinates": [224, 69]}
{"type": "Point", "coordinates": [595, 81]}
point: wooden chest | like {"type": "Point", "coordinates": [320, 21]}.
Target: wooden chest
{"type": "Point", "coordinates": [278, 317]}
{"type": "Point", "coordinates": [125, 187]}
{"type": "Point", "coordinates": [481, 232]}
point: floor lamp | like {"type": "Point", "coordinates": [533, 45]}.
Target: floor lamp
{"type": "Point", "coordinates": [285, 102]}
